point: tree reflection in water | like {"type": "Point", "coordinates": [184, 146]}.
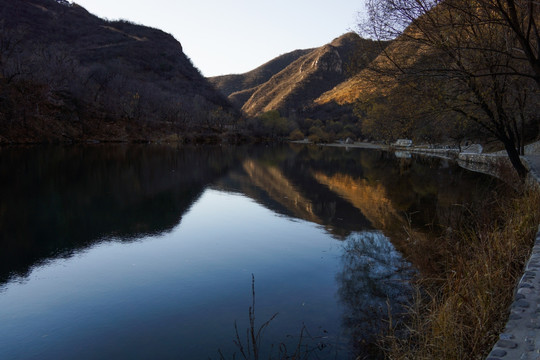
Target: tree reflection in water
{"type": "Point", "coordinates": [61, 201]}
{"type": "Point", "coordinates": [373, 284]}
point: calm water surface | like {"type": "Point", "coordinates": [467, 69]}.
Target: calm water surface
{"type": "Point", "coordinates": [148, 252]}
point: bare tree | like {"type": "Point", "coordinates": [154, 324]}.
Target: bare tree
{"type": "Point", "coordinates": [12, 64]}
{"type": "Point", "coordinates": [472, 54]}
{"type": "Point", "coordinates": [521, 17]}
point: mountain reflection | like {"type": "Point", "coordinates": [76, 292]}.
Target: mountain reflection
{"type": "Point", "coordinates": [405, 197]}
{"type": "Point", "coordinates": [287, 187]}
{"type": "Point", "coordinates": [370, 199]}
{"type": "Point", "coordinates": [280, 189]}
{"type": "Point", "coordinates": [56, 200]}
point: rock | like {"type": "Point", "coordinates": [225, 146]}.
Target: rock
{"type": "Point", "coordinates": [472, 149]}
{"type": "Point", "coordinates": [404, 142]}
{"type": "Point", "coordinates": [498, 353]}
{"type": "Point", "coordinates": [507, 344]}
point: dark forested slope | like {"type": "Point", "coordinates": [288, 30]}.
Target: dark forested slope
{"type": "Point", "coordinates": [66, 74]}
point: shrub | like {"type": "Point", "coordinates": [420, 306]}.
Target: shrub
{"type": "Point", "coordinates": [462, 306]}
{"type": "Point", "coordinates": [314, 138]}
{"type": "Point", "coordinates": [296, 135]}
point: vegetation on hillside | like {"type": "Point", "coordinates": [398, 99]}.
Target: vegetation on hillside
{"type": "Point", "coordinates": [453, 71]}
{"type": "Point", "coordinates": [271, 126]}
{"type": "Point", "coordinates": [67, 75]}
{"type": "Point", "coordinates": [458, 69]}
{"type": "Point", "coordinates": [459, 64]}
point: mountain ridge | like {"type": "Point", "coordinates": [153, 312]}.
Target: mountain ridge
{"type": "Point", "coordinates": [308, 75]}
{"type": "Point", "coordinates": [229, 84]}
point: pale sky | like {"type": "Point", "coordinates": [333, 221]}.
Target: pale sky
{"type": "Point", "coordinates": [228, 37]}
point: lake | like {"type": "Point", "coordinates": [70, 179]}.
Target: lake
{"type": "Point", "coordinates": [156, 251]}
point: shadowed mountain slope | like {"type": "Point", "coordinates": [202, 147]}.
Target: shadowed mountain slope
{"type": "Point", "coordinates": [84, 71]}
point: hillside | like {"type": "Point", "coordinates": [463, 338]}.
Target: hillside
{"type": "Point", "coordinates": [378, 78]}
{"type": "Point", "coordinates": [435, 83]}
{"type": "Point", "coordinates": [391, 104]}
{"type": "Point", "coordinates": [69, 75]}
{"type": "Point", "coordinates": [229, 84]}
{"type": "Point", "coordinates": [293, 89]}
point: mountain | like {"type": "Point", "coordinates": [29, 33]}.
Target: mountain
{"type": "Point", "coordinates": [229, 84]}
{"type": "Point", "coordinates": [69, 75]}
{"type": "Point", "coordinates": [376, 78]}
{"type": "Point", "coordinates": [309, 74]}
{"type": "Point", "coordinates": [438, 84]}
{"type": "Point", "coordinates": [239, 88]}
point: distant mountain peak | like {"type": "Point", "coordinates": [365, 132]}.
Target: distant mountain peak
{"type": "Point", "coordinates": [303, 75]}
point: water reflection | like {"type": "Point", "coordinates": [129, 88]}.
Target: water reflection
{"type": "Point", "coordinates": [372, 285]}
{"type": "Point", "coordinates": [289, 188]}
{"type": "Point", "coordinates": [407, 198]}
{"type": "Point", "coordinates": [59, 199]}
{"type": "Point", "coordinates": [318, 226]}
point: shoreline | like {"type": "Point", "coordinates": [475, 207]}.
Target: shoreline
{"type": "Point", "coordinates": [520, 338]}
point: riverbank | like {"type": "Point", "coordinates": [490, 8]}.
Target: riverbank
{"type": "Point", "coordinates": [438, 319]}
{"type": "Point", "coordinates": [493, 163]}
{"type": "Point", "coordinates": [462, 305]}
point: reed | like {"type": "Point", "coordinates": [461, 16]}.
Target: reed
{"type": "Point", "coordinates": [462, 305]}
{"type": "Point", "coordinates": [250, 345]}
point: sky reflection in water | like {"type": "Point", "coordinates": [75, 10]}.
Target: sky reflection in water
{"type": "Point", "coordinates": [280, 214]}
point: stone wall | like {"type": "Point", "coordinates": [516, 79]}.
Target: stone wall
{"type": "Point", "coordinates": [494, 165]}
{"type": "Point", "coordinates": [521, 336]}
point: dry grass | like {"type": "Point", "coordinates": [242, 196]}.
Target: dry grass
{"type": "Point", "coordinates": [463, 305]}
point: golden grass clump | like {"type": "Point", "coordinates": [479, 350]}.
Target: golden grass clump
{"type": "Point", "coordinates": [462, 306]}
